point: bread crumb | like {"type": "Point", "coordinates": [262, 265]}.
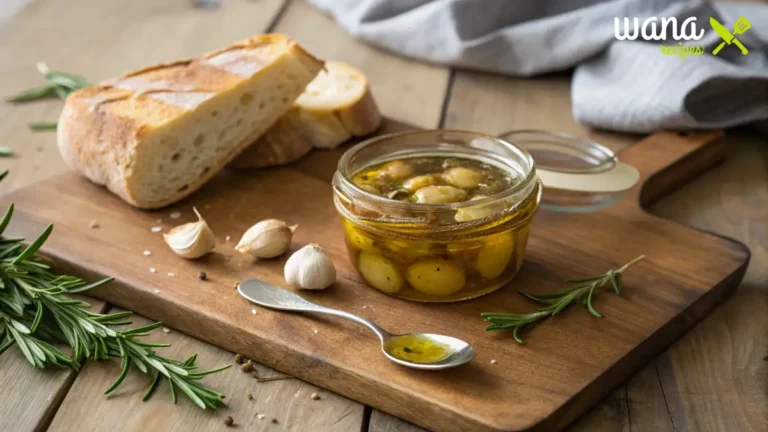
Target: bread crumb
{"type": "Point", "coordinates": [158, 221]}
{"type": "Point", "coordinates": [235, 284]}
{"type": "Point", "coordinates": [365, 307]}
{"type": "Point", "coordinates": [94, 224]}
{"type": "Point", "coordinates": [493, 362]}
{"type": "Point", "coordinates": [152, 270]}
{"type": "Point", "coordinates": [156, 229]}
{"type": "Point", "coordinates": [147, 252]}
{"type": "Point", "coordinates": [166, 330]}
{"type": "Point", "coordinates": [253, 311]}
{"type": "Point", "coordinates": [175, 215]}
{"type": "Point", "coordinates": [315, 396]}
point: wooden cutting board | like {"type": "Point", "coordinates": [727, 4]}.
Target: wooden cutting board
{"type": "Point", "coordinates": [566, 365]}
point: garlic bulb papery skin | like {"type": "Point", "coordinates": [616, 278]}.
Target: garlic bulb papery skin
{"type": "Point", "coordinates": [310, 268]}
{"type": "Point", "coordinates": [267, 239]}
{"type": "Point", "coordinates": [191, 240]}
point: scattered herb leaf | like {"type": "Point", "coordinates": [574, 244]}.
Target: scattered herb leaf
{"type": "Point", "coordinates": [37, 127]}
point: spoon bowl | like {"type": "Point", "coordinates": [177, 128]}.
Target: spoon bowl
{"type": "Point", "coordinates": [415, 350]}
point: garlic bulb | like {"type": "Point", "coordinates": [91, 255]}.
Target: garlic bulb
{"type": "Point", "coordinates": [191, 240]}
{"type": "Point", "coordinates": [267, 239]}
{"type": "Point", "coordinates": [310, 268]}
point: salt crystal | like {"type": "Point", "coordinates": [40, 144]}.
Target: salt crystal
{"type": "Point", "coordinates": [166, 330]}
{"type": "Point", "coordinates": [171, 274]}
{"type": "Point", "coordinates": [253, 311]}
{"type": "Point", "coordinates": [315, 330]}
{"type": "Point", "coordinates": [156, 229]}
{"type": "Point", "coordinates": [493, 362]}
{"type": "Point", "coordinates": [175, 215]}
{"type": "Point", "coordinates": [157, 291]}
{"type": "Point", "coordinates": [94, 224]}
{"type": "Point", "coordinates": [152, 270]}
{"type": "Point", "coordinates": [227, 238]}
{"type": "Point", "coordinates": [260, 416]}
{"type": "Point", "coordinates": [147, 252]}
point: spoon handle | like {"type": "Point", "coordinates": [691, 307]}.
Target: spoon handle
{"type": "Point", "coordinates": [272, 296]}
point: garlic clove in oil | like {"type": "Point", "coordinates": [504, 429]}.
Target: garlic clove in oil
{"type": "Point", "coordinates": [267, 239]}
{"type": "Point", "coordinates": [191, 240]}
{"type": "Point", "coordinates": [310, 268]}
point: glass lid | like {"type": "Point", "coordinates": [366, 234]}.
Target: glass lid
{"type": "Point", "coordinates": [578, 175]}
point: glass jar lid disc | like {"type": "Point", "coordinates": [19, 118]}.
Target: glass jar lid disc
{"type": "Point", "coordinates": [578, 175]}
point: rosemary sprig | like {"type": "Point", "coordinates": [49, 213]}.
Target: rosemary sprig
{"type": "Point", "coordinates": [556, 302]}
{"type": "Point", "coordinates": [36, 313]}
{"type": "Point", "coordinates": [59, 84]}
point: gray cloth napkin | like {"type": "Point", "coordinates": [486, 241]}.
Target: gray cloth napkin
{"type": "Point", "coordinates": [620, 85]}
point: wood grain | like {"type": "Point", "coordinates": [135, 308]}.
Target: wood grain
{"type": "Point", "coordinates": [31, 396]}
{"type": "Point", "coordinates": [289, 401]}
{"type": "Point", "coordinates": [665, 295]}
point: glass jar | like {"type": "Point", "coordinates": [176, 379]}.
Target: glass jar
{"type": "Point", "coordinates": [437, 252]}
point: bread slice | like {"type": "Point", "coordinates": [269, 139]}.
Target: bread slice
{"type": "Point", "coordinates": [155, 135]}
{"type": "Point", "coordinates": [334, 107]}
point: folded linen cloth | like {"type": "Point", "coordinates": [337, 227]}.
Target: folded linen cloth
{"type": "Point", "coordinates": [617, 84]}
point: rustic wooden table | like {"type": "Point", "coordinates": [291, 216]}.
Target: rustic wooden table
{"type": "Point", "coordinates": [713, 379]}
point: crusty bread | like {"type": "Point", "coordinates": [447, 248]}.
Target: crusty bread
{"type": "Point", "coordinates": [155, 135]}
{"type": "Point", "coordinates": [335, 106]}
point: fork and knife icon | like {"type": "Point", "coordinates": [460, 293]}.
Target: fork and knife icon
{"type": "Point", "coordinates": [739, 27]}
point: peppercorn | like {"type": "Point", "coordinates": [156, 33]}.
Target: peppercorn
{"type": "Point", "coordinates": [202, 276]}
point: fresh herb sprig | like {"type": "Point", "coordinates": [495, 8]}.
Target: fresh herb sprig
{"type": "Point", "coordinates": [554, 303]}
{"type": "Point", "coordinates": [57, 84]}
{"type": "Point", "coordinates": [36, 313]}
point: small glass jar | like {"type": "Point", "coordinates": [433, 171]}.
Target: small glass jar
{"type": "Point", "coordinates": [437, 252]}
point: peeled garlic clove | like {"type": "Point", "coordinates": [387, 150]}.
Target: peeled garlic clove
{"type": "Point", "coordinates": [267, 239]}
{"type": "Point", "coordinates": [310, 268]}
{"type": "Point", "coordinates": [191, 240]}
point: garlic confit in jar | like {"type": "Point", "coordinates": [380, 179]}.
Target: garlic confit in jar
{"type": "Point", "coordinates": [436, 216]}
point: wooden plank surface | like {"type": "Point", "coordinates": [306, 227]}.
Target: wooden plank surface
{"type": "Point", "coordinates": [288, 401]}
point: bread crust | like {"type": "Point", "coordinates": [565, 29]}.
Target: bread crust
{"type": "Point", "coordinates": [103, 142]}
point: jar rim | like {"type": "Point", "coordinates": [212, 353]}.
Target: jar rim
{"type": "Point", "coordinates": [344, 178]}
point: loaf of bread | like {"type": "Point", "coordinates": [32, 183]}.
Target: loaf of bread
{"type": "Point", "coordinates": [334, 107]}
{"type": "Point", "coordinates": [155, 135]}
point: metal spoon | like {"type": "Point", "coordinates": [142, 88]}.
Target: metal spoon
{"type": "Point", "coordinates": [455, 351]}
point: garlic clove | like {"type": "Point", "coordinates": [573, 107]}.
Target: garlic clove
{"type": "Point", "coordinates": [310, 268]}
{"type": "Point", "coordinates": [267, 239]}
{"type": "Point", "coordinates": [191, 240]}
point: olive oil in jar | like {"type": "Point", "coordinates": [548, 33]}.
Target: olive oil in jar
{"type": "Point", "coordinates": [424, 263]}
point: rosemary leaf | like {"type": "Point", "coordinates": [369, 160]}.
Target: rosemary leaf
{"type": "Point", "coordinates": [6, 151]}
{"type": "Point", "coordinates": [42, 126]}
{"type": "Point", "coordinates": [32, 94]}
